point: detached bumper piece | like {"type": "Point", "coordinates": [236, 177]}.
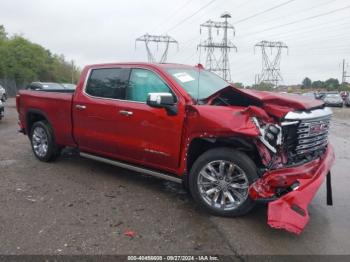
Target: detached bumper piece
{"type": "Point", "coordinates": [290, 212]}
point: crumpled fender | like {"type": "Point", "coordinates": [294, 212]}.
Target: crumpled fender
{"type": "Point", "coordinates": [290, 211]}
{"type": "Point", "coordinates": [279, 105]}
{"type": "Point", "coordinates": [223, 120]}
{"type": "Point", "coordinates": [207, 121]}
{"type": "Point", "coordinates": [254, 111]}
{"type": "Point", "coordinates": [275, 104]}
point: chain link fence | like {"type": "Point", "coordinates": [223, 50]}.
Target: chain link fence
{"type": "Point", "coordinates": [11, 87]}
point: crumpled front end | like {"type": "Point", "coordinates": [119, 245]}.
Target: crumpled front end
{"type": "Point", "coordinates": [297, 158]}
{"type": "Point", "coordinates": [290, 212]}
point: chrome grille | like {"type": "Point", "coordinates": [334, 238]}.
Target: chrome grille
{"type": "Point", "coordinates": [310, 131]}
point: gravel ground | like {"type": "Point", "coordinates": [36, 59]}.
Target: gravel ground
{"type": "Point", "coordinates": [77, 206]}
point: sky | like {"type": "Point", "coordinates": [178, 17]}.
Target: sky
{"type": "Point", "coordinates": [317, 32]}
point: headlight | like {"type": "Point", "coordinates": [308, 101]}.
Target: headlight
{"type": "Point", "coordinates": [270, 134]}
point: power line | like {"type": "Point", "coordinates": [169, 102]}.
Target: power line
{"type": "Point", "coordinates": [344, 73]}
{"type": "Point", "coordinates": [221, 65]}
{"type": "Point", "coordinates": [165, 39]}
{"type": "Point", "coordinates": [303, 10]}
{"type": "Point", "coordinates": [263, 12]}
{"type": "Point", "coordinates": [190, 41]}
{"type": "Point", "coordinates": [301, 20]}
{"type": "Point", "coordinates": [172, 15]}
{"type": "Point", "coordinates": [270, 72]}
{"type": "Point", "coordinates": [189, 17]}
{"type": "Point", "coordinates": [296, 31]}
{"type": "Point", "coordinates": [195, 39]}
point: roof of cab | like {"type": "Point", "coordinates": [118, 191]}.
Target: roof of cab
{"type": "Point", "coordinates": [154, 65]}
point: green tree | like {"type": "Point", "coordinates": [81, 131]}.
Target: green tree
{"type": "Point", "coordinates": [24, 61]}
{"type": "Point", "coordinates": [263, 86]}
{"type": "Point", "coordinates": [306, 82]}
{"type": "Point", "coordinates": [3, 34]}
{"type": "Point", "coordinates": [332, 84]}
{"type": "Point", "coordinates": [239, 85]}
{"type": "Point", "coordinates": [317, 84]}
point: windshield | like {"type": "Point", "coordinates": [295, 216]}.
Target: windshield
{"type": "Point", "coordinates": [199, 84]}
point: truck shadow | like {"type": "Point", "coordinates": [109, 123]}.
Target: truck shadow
{"type": "Point", "coordinates": [168, 191]}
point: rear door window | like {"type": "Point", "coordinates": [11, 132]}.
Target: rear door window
{"type": "Point", "coordinates": [108, 83]}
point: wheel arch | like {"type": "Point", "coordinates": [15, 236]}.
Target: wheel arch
{"type": "Point", "coordinates": [200, 145]}
{"type": "Point", "coordinates": [33, 116]}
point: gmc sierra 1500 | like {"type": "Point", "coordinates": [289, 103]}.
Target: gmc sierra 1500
{"type": "Point", "coordinates": [230, 147]}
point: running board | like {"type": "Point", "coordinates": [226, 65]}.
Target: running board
{"type": "Point", "coordinates": [132, 167]}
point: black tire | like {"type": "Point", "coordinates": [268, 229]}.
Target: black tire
{"type": "Point", "coordinates": [53, 151]}
{"type": "Point", "coordinates": [226, 154]}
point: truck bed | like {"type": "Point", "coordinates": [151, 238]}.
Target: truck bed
{"type": "Point", "coordinates": [55, 105]}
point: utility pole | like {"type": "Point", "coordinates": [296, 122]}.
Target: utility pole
{"type": "Point", "coordinates": [271, 62]}
{"type": "Point", "coordinates": [344, 73]}
{"type": "Point", "coordinates": [157, 39]}
{"type": "Point", "coordinates": [219, 65]}
{"type": "Point", "coordinates": [72, 64]}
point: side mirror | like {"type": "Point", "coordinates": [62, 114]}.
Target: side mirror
{"type": "Point", "coordinates": [163, 100]}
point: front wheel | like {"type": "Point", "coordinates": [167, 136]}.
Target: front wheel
{"type": "Point", "coordinates": [42, 141]}
{"type": "Point", "coordinates": [220, 180]}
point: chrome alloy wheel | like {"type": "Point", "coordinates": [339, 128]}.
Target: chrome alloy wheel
{"type": "Point", "coordinates": [40, 141]}
{"type": "Point", "coordinates": [223, 185]}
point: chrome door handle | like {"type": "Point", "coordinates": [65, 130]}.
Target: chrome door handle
{"type": "Point", "coordinates": [81, 107]}
{"type": "Point", "coordinates": [126, 113]}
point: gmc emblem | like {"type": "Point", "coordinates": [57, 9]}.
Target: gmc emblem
{"type": "Point", "coordinates": [318, 128]}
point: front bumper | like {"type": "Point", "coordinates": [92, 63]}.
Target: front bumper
{"type": "Point", "coordinates": [290, 212]}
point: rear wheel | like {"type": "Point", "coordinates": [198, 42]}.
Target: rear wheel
{"type": "Point", "coordinates": [42, 141]}
{"type": "Point", "coordinates": [220, 179]}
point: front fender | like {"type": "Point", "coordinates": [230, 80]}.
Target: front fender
{"type": "Point", "coordinates": [213, 122]}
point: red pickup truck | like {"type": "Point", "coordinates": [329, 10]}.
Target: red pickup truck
{"type": "Point", "coordinates": [232, 148]}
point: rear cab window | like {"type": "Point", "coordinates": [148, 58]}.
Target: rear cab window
{"type": "Point", "coordinates": [108, 83]}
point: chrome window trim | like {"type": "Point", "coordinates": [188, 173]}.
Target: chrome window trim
{"type": "Point", "coordinates": [122, 100]}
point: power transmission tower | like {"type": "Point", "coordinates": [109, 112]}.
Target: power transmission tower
{"type": "Point", "coordinates": [271, 62]}
{"type": "Point", "coordinates": [157, 39]}
{"type": "Point", "coordinates": [344, 74]}
{"type": "Point", "coordinates": [219, 65]}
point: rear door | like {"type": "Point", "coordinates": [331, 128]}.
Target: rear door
{"type": "Point", "coordinates": [95, 111]}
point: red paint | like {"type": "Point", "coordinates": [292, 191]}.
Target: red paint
{"type": "Point", "coordinates": [130, 233]}
{"type": "Point", "coordinates": [280, 104]}
{"type": "Point", "coordinates": [100, 129]}
{"type": "Point", "coordinates": [281, 212]}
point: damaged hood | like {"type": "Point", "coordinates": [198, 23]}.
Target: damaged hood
{"type": "Point", "coordinates": [275, 104]}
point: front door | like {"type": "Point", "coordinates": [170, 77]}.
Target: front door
{"type": "Point", "coordinates": [149, 134]}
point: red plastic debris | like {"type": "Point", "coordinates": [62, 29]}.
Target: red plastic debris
{"type": "Point", "coordinates": [129, 233]}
